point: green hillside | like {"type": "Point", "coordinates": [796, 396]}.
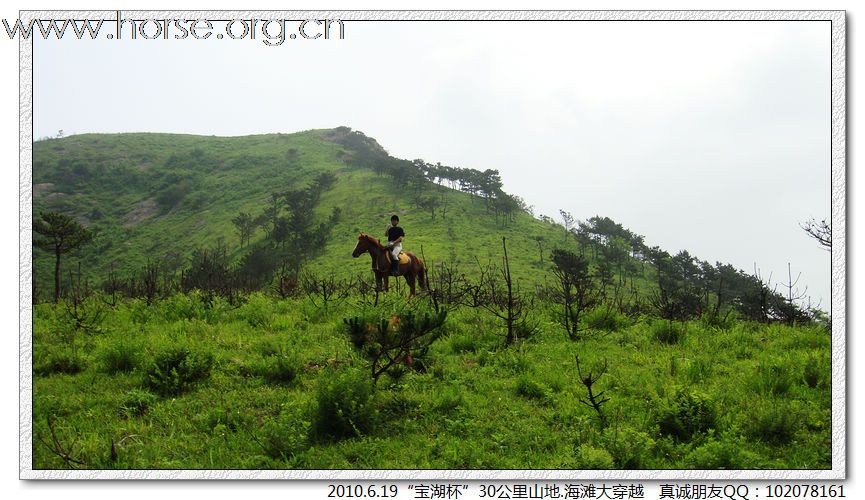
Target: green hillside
{"type": "Point", "coordinates": [158, 196]}
{"type": "Point", "coordinates": [189, 346]}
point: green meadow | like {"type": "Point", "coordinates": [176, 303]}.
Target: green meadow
{"type": "Point", "coordinates": [178, 344]}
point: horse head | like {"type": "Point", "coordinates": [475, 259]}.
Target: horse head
{"type": "Point", "coordinates": [361, 246]}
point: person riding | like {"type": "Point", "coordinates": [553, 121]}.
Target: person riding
{"type": "Point", "coordinates": [395, 235]}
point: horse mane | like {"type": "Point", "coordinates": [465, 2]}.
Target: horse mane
{"type": "Point", "coordinates": [372, 239]}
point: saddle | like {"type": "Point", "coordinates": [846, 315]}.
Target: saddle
{"type": "Point", "coordinates": [403, 258]}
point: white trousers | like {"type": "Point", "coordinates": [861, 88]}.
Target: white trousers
{"type": "Point", "coordinates": [396, 250]}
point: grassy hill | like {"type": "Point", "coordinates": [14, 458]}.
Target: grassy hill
{"type": "Point", "coordinates": [159, 196]}
{"type": "Point", "coordinates": [699, 366]}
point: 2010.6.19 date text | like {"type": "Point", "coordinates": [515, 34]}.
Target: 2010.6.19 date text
{"type": "Point", "coordinates": [362, 491]}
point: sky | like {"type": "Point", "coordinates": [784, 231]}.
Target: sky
{"type": "Point", "coordinates": [708, 136]}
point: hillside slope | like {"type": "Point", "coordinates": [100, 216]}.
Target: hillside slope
{"type": "Point", "coordinates": [157, 197]}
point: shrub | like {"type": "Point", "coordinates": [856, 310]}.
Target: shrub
{"type": "Point", "coordinates": [774, 377]}
{"type": "Point", "coordinates": [286, 435]}
{"type": "Point", "coordinates": [589, 457]}
{"type": "Point", "coordinates": [344, 406]}
{"type": "Point", "coordinates": [136, 402]}
{"type": "Point", "coordinates": [712, 320]}
{"type": "Point", "coordinates": [528, 388]}
{"type": "Point", "coordinates": [630, 449]}
{"type": "Point", "coordinates": [815, 372]}
{"type": "Point", "coordinates": [772, 423]}
{"type": "Point", "coordinates": [699, 369]}
{"type": "Point", "coordinates": [449, 400]}
{"type": "Point", "coordinates": [667, 332]}
{"type": "Point", "coordinates": [721, 455]}
{"type": "Point", "coordinates": [689, 413]}
{"type": "Point", "coordinates": [60, 361]}
{"type": "Point", "coordinates": [605, 318]}
{"type": "Point", "coordinates": [177, 370]}
{"type": "Point", "coordinates": [464, 343]}
{"type": "Point", "coordinates": [119, 358]}
{"type": "Point", "coordinates": [278, 370]}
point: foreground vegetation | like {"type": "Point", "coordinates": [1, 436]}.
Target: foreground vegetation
{"type": "Point", "coordinates": [193, 382]}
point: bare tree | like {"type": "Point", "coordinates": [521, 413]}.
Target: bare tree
{"type": "Point", "coordinates": [503, 299]}
{"type": "Point", "coordinates": [820, 231]}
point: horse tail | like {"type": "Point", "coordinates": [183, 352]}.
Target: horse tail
{"type": "Point", "coordinates": [420, 271]}
{"type": "Point", "coordinates": [421, 275]}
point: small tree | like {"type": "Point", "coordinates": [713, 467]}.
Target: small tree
{"type": "Point", "coordinates": [576, 291]}
{"type": "Point", "coordinates": [245, 225]}
{"type": "Point", "coordinates": [60, 234]}
{"type": "Point", "coordinates": [401, 339]}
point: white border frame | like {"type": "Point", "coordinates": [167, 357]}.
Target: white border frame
{"type": "Point", "coordinates": [839, 266]}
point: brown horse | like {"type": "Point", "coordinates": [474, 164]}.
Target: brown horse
{"type": "Point", "coordinates": [381, 263]}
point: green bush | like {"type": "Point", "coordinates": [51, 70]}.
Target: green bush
{"type": "Point", "coordinates": [278, 370]}
{"type": "Point", "coordinates": [287, 435]}
{"type": "Point", "coordinates": [721, 455]}
{"type": "Point", "coordinates": [816, 372]}
{"type": "Point", "coordinates": [689, 413]}
{"type": "Point", "coordinates": [630, 449]}
{"type": "Point", "coordinates": [774, 377]}
{"type": "Point", "coordinates": [177, 370]}
{"type": "Point", "coordinates": [718, 321]}
{"type": "Point", "coordinates": [667, 332]}
{"type": "Point", "coordinates": [589, 457]}
{"type": "Point", "coordinates": [118, 358]}
{"type": "Point", "coordinates": [344, 406]}
{"type": "Point", "coordinates": [136, 402]}
{"type": "Point", "coordinates": [464, 343]}
{"type": "Point", "coordinates": [60, 361]}
{"type": "Point", "coordinates": [449, 400]}
{"type": "Point", "coordinates": [605, 318]}
{"type": "Point", "coordinates": [699, 369]}
{"type": "Point", "coordinates": [528, 388]}
{"type": "Point", "coordinates": [772, 423]}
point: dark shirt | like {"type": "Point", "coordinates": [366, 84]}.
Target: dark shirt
{"type": "Point", "coordinates": [394, 232]}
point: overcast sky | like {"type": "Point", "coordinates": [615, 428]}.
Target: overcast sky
{"type": "Point", "coordinates": [708, 136]}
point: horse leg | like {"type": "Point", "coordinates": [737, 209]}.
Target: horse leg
{"type": "Point", "coordinates": [410, 280]}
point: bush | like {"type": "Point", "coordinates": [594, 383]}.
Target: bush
{"type": "Point", "coordinates": [449, 400]}
{"type": "Point", "coordinates": [589, 457]}
{"type": "Point", "coordinates": [721, 455]}
{"type": "Point", "coordinates": [774, 377]}
{"type": "Point", "coordinates": [710, 320]}
{"type": "Point", "coordinates": [119, 358]}
{"type": "Point", "coordinates": [605, 318]}
{"type": "Point", "coordinates": [344, 406]}
{"type": "Point", "coordinates": [528, 388]}
{"type": "Point", "coordinates": [464, 343]}
{"type": "Point", "coordinates": [60, 361]}
{"type": "Point", "coordinates": [688, 414]}
{"type": "Point", "coordinates": [815, 372]}
{"type": "Point", "coordinates": [772, 423]}
{"type": "Point", "coordinates": [630, 449]}
{"type": "Point", "coordinates": [136, 402]}
{"type": "Point", "coordinates": [278, 370]}
{"type": "Point", "coordinates": [286, 435]}
{"type": "Point", "coordinates": [177, 370]}
{"type": "Point", "coordinates": [667, 332]}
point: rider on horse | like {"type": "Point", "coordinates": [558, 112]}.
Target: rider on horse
{"type": "Point", "coordinates": [395, 235]}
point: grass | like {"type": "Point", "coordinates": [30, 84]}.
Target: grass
{"type": "Point", "coordinates": [293, 392]}
{"type": "Point", "coordinates": [192, 382]}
